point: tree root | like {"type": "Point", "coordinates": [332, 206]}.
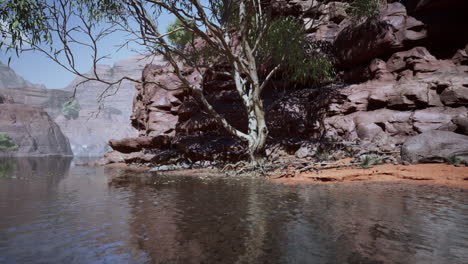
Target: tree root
{"type": "Point", "coordinates": [314, 166]}
{"type": "Point", "coordinates": [234, 166]}
{"type": "Point", "coordinates": [243, 167]}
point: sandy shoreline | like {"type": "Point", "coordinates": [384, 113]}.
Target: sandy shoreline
{"type": "Point", "coordinates": [437, 174]}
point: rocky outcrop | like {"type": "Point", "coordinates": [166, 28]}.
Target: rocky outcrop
{"type": "Point", "coordinates": [129, 145]}
{"type": "Point", "coordinates": [392, 31]}
{"type": "Point", "coordinates": [33, 132]}
{"type": "Point", "coordinates": [50, 100]}
{"type": "Point", "coordinates": [412, 93]}
{"type": "Point", "coordinates": [435, 146]}
{"type": "Point", "coordinates": [103, 118]}
{"type": "Point", "coordinates": [26, 117]}
{"type": "Point", "coordinates": [155, 107]}
{"type": "Point", "coordinates": [397, 85]}
{"type": "Point", "coordinates": [4, 99]}
{"type": "Point", "coordinates": [443, 20]}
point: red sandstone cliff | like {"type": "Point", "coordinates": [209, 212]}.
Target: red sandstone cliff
{"type": "Point", "coordinates": [403, 74]}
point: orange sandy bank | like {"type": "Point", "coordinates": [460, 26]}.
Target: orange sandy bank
{"type": "Point", "coordinates": [440, 174]}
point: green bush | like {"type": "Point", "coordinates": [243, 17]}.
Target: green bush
{"type": "Point", "coordinates": [302, 64]}
{"type": "Point", "coordinates": [6, 143]}
{"type": "Point", "coordinates": [181, 37]}
{"type": "Point", "coordinates": [360, 9]}
{"type": "Point", "coordinates": [454, 160]}
{"type": "Point", "coordinates": [368, 161]}
{"type": "Point", "coordinates": [71, 109]}
{"type": "Point", "coordinates": [7, 169]}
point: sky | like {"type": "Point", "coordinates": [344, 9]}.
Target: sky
{"type": "Point", "coordinates": [37, 68]}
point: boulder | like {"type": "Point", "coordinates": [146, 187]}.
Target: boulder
{"type": "Point", "coordinates": [393, 30]}
{"type": "Point", "coordinates": [462, 123]}
{"type": "Point", "coordinates": [435, 146]}
{"type": "Point", "coordinates": [455, 95]}
{"type": "Point", "coordinates": [437, 118]}
{"type": "Point", "coordinates": [306, 150]}
{"type": "Point", "coordinates": [155, 106]}
{"type": "Point", "coordinates": [461, 56]}
{"type": "Point", "coordinates": [33, 131]}
{"type": "Point", "coordinates": [129, 145]}
{"type": "Point", "coordinates": [414, 59]}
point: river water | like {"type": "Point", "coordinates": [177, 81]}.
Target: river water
{"type": "Point", "coordinates": [52, 211]}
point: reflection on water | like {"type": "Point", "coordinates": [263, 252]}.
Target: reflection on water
{"type": "Point", "coordinates": [54, 212]}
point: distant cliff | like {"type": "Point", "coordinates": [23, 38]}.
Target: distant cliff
{"type": "Point", "coordinates": [26, 118]}
{"type": "Point", "coordinates": [97, 121]}
{"type": "Point", "coordinates": [9, 79]}
{"type": "Point", "coordinates": [50, 100]}
{"type": "Point", "coordinates": [100, 121]}
{"type": "Point", "coordinates": [31, 132]}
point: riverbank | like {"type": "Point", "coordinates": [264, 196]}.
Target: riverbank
{"type": "Point", "coordinates": [435, 174]}
{"type": "Point", "coordinates": [438, 174]}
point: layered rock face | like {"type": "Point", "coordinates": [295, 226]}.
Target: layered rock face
{"type": "Point", "coordinates": [399, 80]}
{"type": "Point", "coordinates": [33, 132]}
{"type": "Point", "coordinates": [412, 93]}
{"type": "Point", "coordinates": [51, 100]}
{"type": "Point", "coordinates": [26, 117]}
{"type": "Point", "coordinates": [98, 120]}
{"type": "Point", "coordinates": [102, 119]}
{"type": "Point", "coordinates": [402, 89]}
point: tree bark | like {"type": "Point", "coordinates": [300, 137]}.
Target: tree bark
{"type": "Point", "coordinates": [258, 131]}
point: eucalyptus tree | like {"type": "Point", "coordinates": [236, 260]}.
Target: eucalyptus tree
{"type": "Point", "coordinates": [244, 34]}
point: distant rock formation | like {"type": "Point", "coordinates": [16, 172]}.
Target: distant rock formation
{"type": "Point", "coordinates": [33, 132]}
{"type": "Point", "coordinates": [100, 121]}
{"type": "Point", "coordinates": [50, 100]}
{"type": "Point", "coordinates": [97, 121]}
{"type": "Point", "coordinates": [26, 117]}
{"type": "Point", "coordinates": [9, 79]}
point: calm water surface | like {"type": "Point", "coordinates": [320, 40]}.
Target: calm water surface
{"type": "Point", "coordinates": [54, 212]}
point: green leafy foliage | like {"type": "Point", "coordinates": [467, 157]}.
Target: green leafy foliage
{"type": "Point", "coordinates": [368, 161]}
{"type": "Point", "coordinates": [7, 169]}
{"type": "Point", "coordinates": [454, 160]}
{"type": "Point", "coordinates": [24, 23]}
{"type": "Point", "coordinates": [179, 36]}
{"type": "Point", "coordinates": [323, 155]}
{"type": "Point", "coordinates": [6, 143]}
{"type": "Point", "coordinates": [285, 43]}
{"type": "Point", "coordinates": [71, 109]}
{"type": "Point", "coordinates": [360, 9]}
